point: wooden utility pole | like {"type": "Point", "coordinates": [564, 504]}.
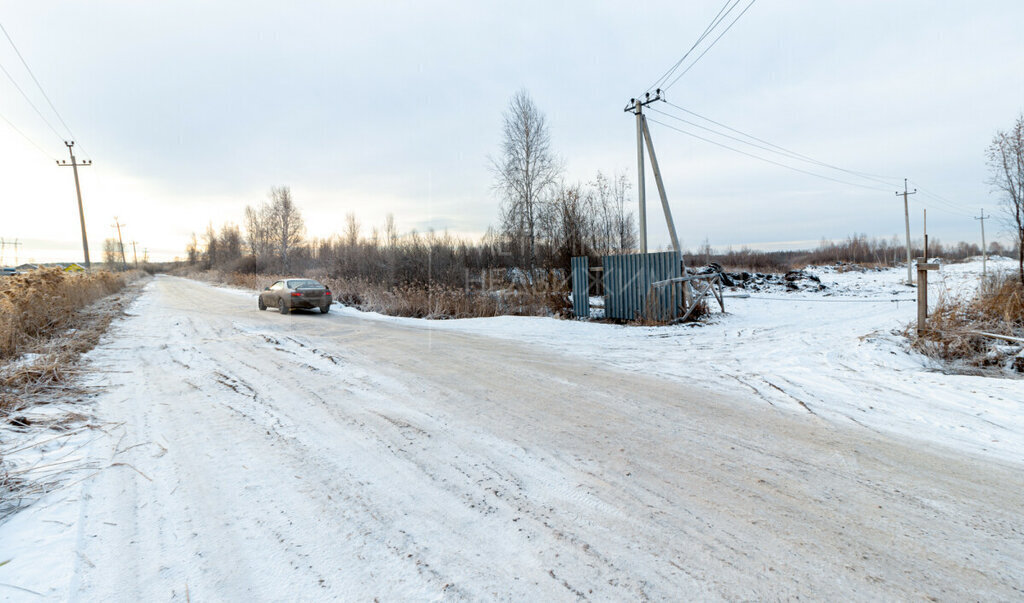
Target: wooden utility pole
{"type": "Point", "coordinates": [984, 251]}
{"type": "Point", "coordinates": [135, 256]}
{"type": "Point", "coordinates": [118, 225]}
{"type": "Point", "coordinates": [906, 218]}
{"type": "Point", "coordinates": [78, 189]}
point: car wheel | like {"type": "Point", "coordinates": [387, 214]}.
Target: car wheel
{"type": "Point", "coordinates": [281, 307]}
{"type": "Point", "coordinates": [325, 309]}
{"type": "Point", "coordinates": [260, 303]}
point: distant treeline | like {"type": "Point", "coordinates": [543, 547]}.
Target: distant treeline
{"type": "Point", "coordinates": [856, 249]}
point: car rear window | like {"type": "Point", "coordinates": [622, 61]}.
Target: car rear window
{"type": "Point", "coordinates": [296, 284]}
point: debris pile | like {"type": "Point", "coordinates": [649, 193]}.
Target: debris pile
{"type": "Point", "coordinates": [794, 280]}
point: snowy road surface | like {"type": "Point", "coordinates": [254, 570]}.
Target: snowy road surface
{"type": "Point", "coordinates": [271, 457]}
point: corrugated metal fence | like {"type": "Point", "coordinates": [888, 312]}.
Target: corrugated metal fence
{"type": "Point", "coordinates": [627, 285]}
{"type": "Point", "coordinates": [581, 286]}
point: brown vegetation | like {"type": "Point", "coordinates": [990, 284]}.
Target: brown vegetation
{"type": "Point", "coordinates": [481, 296]}
{"type": "Point", "coordinates": [954, 326]}
{"type": "Point", "coordinates": [37, 313]}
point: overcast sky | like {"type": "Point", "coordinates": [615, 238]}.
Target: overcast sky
{"type": "Point", "coordinates": [191, 110]}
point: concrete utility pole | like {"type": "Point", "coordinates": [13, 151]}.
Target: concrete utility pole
{"type": "Point", "coordinates": [643, 135]}
{"type": "Point", "coordinates": [925, 223]}
{"type": "Point", "coordinates": [661, 188]}
{"type": "Point", "coordinates": [124, 262]}
{"type": "Point", "coordinates": [906, 218]}
{"type": "Point", "coordinates": [135, 256]}
{"type": "Point", "coordinates": [16, 246]}
{"type": "Point", "coordinates": [78, 189]}
{"type": "Point", "coordinates": [984, 251]}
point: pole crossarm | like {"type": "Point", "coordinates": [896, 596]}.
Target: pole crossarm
{"type": "Point", "coordinates": [636, 104]}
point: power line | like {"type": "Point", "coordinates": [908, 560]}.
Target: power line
{"type": "Point", "coordinates": [938, 198]}
{"type": "Point", "coordinates": [783, 152]}
{"type": "Point", "coordinates": [887, 180]}
{"type": "Point", "coordinates": [714, 23]}
{"type": "Point", "coordinates": [29, 100]}
{"type": "Point", "coordinates": [788, 167]}
{"type": "Point", "coordinates": [36, 80]}
{"type": "Point", "coordinates": [946, 206]}
{"type": "Point", "coordinates": [26, 137]}
{"type": "Point", "coordinates": [710, 46]}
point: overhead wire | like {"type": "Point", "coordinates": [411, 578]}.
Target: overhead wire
{"type": "Point", "coordinates": [783, 165]}
{"type": "Point", "coordinates": [707, 30]}
{"type": "Point", "coordinates": [26, 137]}
{"type": "Point", "coordinates": [61, 137]}
{"type": "Point", "coordinates": [712, 45]}
{"type": "Point", "coordinates": [29, 100]}
{"type": "Point", "coordinates": [36, 80]}
{"type": "Point", "coordinates": [887, 180]}
{"type": "Point", "coordinates": [948, 208]}
{"type": "Point", "coordinates": [766, 146]}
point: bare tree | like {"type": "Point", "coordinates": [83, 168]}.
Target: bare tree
{"type": "Point", "coordinates": [1006, 162]}
{"type": "Point", "coordinates": [192, 250]}
{"type": "Point", "coordinates": [110, 253]}
{"type": "Point", "coordinates": [351, 229]}
{"type": "Point", "coordinates": [390, 231]}
{"type": "Point", "coordinates": [229, 243]}
{"type": "Point", "coordinates": [525, 171]}
{"type": "Point", "coordinates": [212, 246]}
{"type": "Point", "coordinates": [287, 225]}
{"type": "Point", "coordinates": [257, 229]}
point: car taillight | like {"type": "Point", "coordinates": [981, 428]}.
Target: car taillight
{"type": "Point", "coordinates": [328, 292]}
{"type": "Point", "coordinates": [296, 294]}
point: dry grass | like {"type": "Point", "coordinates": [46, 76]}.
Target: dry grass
{"type": "Point", "coordinates": [44, 301]}
{"type": "Point", "coordinates": [997, 308]}
{"type": "Point", "coordinates": [47, 319]}
{"type": "Point", "coordinates": [417, 300]}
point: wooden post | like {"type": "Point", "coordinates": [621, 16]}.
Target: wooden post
{"type": "Point", "coordinates": [922, 292]}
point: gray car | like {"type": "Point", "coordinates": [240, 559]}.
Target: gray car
{"type": "Point", "coordinates": [293, 293]}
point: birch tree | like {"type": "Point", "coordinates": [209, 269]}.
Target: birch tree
{"type": "Point", "coordinates": [287, 227]}
{"type": "Point", "coordinates": [524, 172]}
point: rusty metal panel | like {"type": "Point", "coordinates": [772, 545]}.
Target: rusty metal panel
{"type": "Point", "coordinates": [627, 285]}
{"type": "Point", "coordinates": [581, 286]}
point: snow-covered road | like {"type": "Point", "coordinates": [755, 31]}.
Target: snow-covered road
{"type": "Point", "coordinates": [270, 457]}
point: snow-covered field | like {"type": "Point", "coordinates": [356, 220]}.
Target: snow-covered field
{"type": "Point", "coordinates": [790, 448]}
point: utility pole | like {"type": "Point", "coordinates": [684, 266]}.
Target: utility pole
{"type": "Point", "coordinates": [984, 251]}
{"type": "Point", "coordinates": [3, 246]}
{"type": "Point", "coordinates": [78, 189]}
{"type": "Point", "coordinates": [135, 255]}
{"type": "Point", "coordinates": [16, 245]}
{"type": "Point", "coordinates": [124, 263]}
{"type": "Point", "coordinates": [643, 135]}
{"type": "Point", "coordinates": [906, 218]}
